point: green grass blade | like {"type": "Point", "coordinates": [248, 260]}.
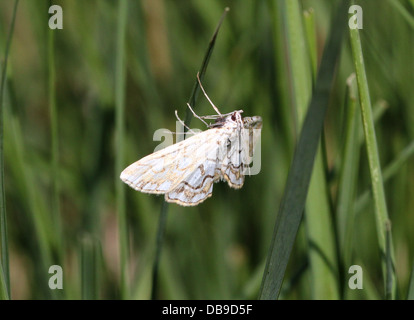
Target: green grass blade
{"type": "Point", "coordinates": [379, 109]}
{"type": "Point", "coordinates": [320, 234]}
{"type": "Point", "coordinates": [410, 294]}
{"type": "Point", "coordinates": [294, 198]}
{"type": "Point", "coordinates": [158, 246]}
{"type": "Point", "coordinates": [389, 171]}
{"type": "Point", "coordinates": [319, 224]}
{"type": "Point", "coordinates": [4, 295]}
{"type": "Point", "coordinates": [89, 259]}
{"type": "Point", "coordinates": [282, 98]}
{"type": "Point", "coordinates": [389, 279]}
{"type": "Point", "coordinates": [349, 173]}
{"type": "Point", "coordinates": [4, 261]}
{"type": "Point", "coordinates": [120, 76]}
{"type": "Point", "coordinates": [189, 115]}
{"type": "Point", "coordinates": [299, 60]}
{"type": "Point", "coordinates": [57, 223]}
{"type": "Point", "coordinates": [381, 212]}
{"type": "Point", "coordinates": [203, 69]}
{"type": "Point", "coordinates": [322, 254]}
{"type": "Point", "coordinates": [309, 21]}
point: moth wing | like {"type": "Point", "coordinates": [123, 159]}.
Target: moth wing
{"type": "Point", "coordinates": [198, 186]}
{"type": "Point", "coordinates": [251, 139]}
{"type": "Point", "coordinates": [239, 153]}
{"type": "Point", "coordinates": [233, 160]}
{"type": "Point", "coordinates": [161, 171]}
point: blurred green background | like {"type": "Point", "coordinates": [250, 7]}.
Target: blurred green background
{"type": "Point", "coordinates": [218, 249]}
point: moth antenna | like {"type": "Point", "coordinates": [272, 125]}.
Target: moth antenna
{"type": "Point", "coordinates": [182, 122]}
{"type": "Point", "coordinates": [209, 100]}
{"type": "Point", "coordinates": [196, 115]}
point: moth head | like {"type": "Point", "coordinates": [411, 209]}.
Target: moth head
{"type": "Point", "coordinates": [231, 117]}
{"type": "Point", "coordinates": [236, 116]}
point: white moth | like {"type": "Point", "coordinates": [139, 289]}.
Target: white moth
{"type": "Point", "coordinates": [185, 172]}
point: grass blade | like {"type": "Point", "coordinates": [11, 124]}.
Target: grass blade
{"type": "Point", "coordinates": [4, 295]}
{"type": "Point", "coordinates": [322, 243]}
{"type": "Point", "coordinates": [119, 158]}
{"type": "Point", "coordinates": [4, 261]}
{"type": "Point", "coordinates": [299, 61]}
{"type": "Point", "coordinates": [379, 109]}
{"type": "Point", "coordinates": [410, 295]}
{"type": "Point", "coordinates": [388, 173]}
{"type": "Point", "coordinates": [349, 173]}
{"type": "Point", "coordinates": [381, 216]}
{"type": "Point", "coordinates": [319, 224]}
{"type": "Point", "coordinates": [282, 89]}
{"type": "Point", "coordinates": [189, 115]}
{"type": "Point", "coordinates": [389, 263]}
{"type": "Point", "coordinates": [294, 198]}
{"type": "Point", "coordinates": [158, 246]}
{"type": "Point", "coordinates": [89, 259]}
{"type": "Point", "coordinates": [322, 255]}
{"type": "Point", "coordinates": [309, 21]}
{"type": "Point", "coordinates": [202, 71]}
{"type": "Point", "coordinates": [55, 145]}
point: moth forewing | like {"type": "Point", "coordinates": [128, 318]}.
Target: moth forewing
{"type": "Point", "coordinates": [229, 157]}
{"type": "Point", "coordinates": [198, 185]}
{"type": "Point", "coordinates": [161, 171]}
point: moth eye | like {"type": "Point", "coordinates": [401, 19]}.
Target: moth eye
{"type": "Point", "coordinates": [233, 117]}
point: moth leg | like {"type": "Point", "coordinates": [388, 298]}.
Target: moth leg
{"type": "Point", "coordinates": [182, 122]}
{"type": "Point", "coordinates": [212, 104]}
{"type": "Point", "coordinates": [196, 115]}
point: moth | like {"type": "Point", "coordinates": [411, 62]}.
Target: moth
{"type": "Point", "coordinates": [186, 171]}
